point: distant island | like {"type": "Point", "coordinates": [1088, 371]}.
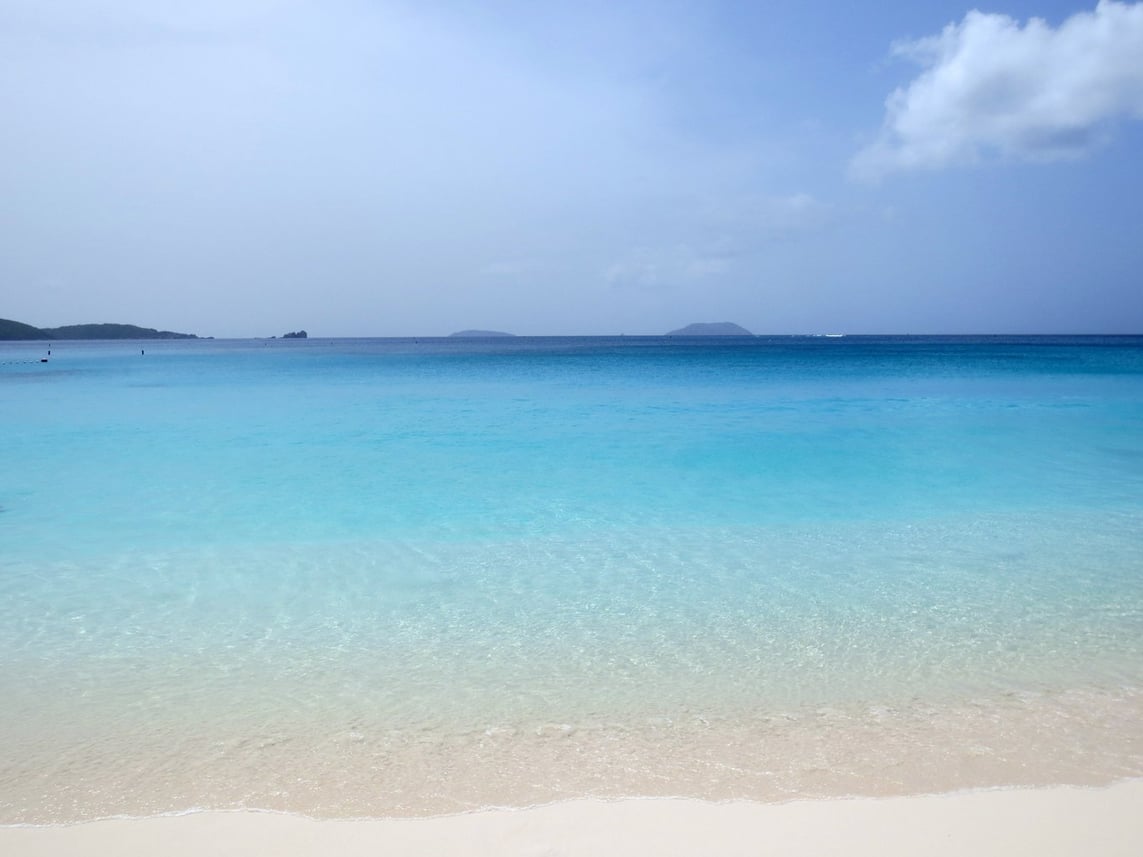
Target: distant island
{"type": "Point", "coordinates": [295, 334]}
{"type": "Point", "coordinates": [711, 328]}
{"type": "Point", "coordinates": [480, 334]}
{"type": "Point", "coordinates": [17, 330]}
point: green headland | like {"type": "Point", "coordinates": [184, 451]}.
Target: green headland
{"type": "Point", "coordinates": [17, 330]}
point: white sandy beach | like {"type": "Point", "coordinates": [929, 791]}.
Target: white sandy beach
{"type": "Point", "coordinates": [1044, 822]}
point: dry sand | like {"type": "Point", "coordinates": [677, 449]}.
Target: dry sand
{"type": "Point", "coordinates": [1042, 822]}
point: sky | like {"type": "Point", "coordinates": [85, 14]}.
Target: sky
{"type": "Point", "coordinates": [239, 168]}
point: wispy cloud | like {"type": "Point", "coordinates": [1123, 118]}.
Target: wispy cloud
{"type": "Point", "coordinates": [993, 88]}
{"type": "Point", "coordinates": [665, 266]}
{"type": "Point", "coordinates": [724, 230]}
{"type": "Point", "coordinates": [766, 218]}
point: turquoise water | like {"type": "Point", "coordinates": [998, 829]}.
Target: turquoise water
{"type": "Point", "coordinates": [227, 568]}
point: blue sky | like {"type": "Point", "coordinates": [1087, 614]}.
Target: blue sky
{"type": "Point", "coordinates": [359, 167]}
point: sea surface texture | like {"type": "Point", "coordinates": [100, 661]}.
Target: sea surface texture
{"type": "Point", "coordinates": [392, 577]}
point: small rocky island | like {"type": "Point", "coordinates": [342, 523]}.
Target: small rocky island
{"type": "Point", "coordinates": [479, 334]}
{"type": "Point", "coordinates": [295, 334]}
{"type": "Point", "coordinates": [711, 328]}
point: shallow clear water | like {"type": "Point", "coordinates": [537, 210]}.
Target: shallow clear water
{"type": "Point", "coordinates": [359, 576]}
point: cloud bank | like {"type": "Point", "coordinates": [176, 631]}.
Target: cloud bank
{"type": "Point", "coordinates": [991, 88]}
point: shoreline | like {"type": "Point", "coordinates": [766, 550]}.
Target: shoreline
{"type": "Point", "coordinates": [1057, 820]}
{"type": "Point", "coordinates": [355, 770]}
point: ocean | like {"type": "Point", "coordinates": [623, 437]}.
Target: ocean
{"type": "Point", "coordinates": [375, 577]}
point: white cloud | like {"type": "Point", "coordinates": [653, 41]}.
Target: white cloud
{"type": "Point", "coordinates": [990, 87]}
